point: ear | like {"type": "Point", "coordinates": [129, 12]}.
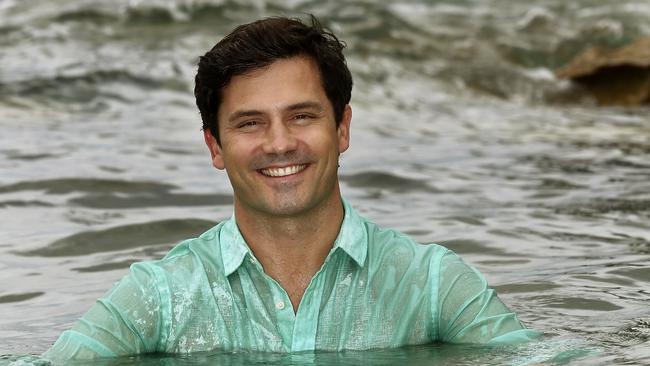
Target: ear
{"type": "Point", "coordinates": [215, 149]}
{"type": "Point", "coordinates": [344, 129]}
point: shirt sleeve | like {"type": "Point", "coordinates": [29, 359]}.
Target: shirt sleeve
{"type": "Point", "coordinates": [126, 321]}
{"type": "Point", "coordinates": [470, 312]}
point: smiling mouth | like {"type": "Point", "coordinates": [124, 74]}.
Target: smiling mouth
{"type": "Point", "coordinates": [283, 172]}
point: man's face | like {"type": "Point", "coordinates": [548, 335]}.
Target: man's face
{"type": "Point", "coordinates": [279, 140]}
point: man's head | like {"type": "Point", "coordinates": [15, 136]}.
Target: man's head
{"type": "Point", "coordinates": [274, 100]}
{"type": "Point", "coordinates": [257, 45]}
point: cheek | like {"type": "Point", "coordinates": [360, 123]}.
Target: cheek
{"type": "Point", "coordinates": [241, 154]}
{"type": "Point", "coordinates": [232, 154]}
{"type": "Point", "coordinates": [323, 140]}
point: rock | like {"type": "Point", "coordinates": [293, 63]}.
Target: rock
{"type": "Point", "coordinates": [614, 77]}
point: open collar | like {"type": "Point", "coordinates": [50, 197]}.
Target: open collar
{"type": "Point", "coordinates": [352, 239]}
{"type": "Point", "coordinates": [233, 246]}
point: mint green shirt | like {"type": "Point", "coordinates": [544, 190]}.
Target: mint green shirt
{"type": "Point", "coordinates": [376, 289]}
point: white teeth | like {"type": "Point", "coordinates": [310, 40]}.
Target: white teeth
{"type": "Point", "coordinates": [281, 172]}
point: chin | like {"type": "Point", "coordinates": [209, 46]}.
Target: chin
{"type": "Point", "coordinates": [290, 206]}
{"type": "Point", "coordinates": [287, 209]}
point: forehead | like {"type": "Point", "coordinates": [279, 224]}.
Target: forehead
{"type": "Point", "coordinates": [283, 82]}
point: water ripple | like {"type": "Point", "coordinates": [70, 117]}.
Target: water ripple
{"type": "Point", "coordinates": [159, 199]}
{"type": "Point", "coordinates": [387, 181]}
{"type": "Point", "coordinates": [19, 297]}
{"type": "Point", "coordinates": [597, 206]}
{"type": "Point", "coordinates": [91, 185]}
{"type": "Point", "coordinates": [123, 237]}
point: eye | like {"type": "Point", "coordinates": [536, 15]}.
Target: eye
{"type": "Point", "coordinates": [302, 116]}
{"type": "Point", "coordinates": [247, 124]}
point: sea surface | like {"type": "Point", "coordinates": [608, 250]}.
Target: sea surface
{"type": "Point", "coordinates": [461, 135]}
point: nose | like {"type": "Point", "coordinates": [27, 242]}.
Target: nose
{"type": "Point", "coordinates": [279, 139]}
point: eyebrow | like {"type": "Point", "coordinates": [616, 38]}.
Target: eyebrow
{"type": "Point", "coordinates": [317, 107]}
{"type": "Point", "coordinates": [244, 113]}
{"type": "Point", "coordinates": [306, 105]}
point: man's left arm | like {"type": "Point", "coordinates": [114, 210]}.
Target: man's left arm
{"type": "Point", "coordinates": [470, 312]}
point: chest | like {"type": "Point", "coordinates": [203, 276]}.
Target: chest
{"type": "Point", "coordinates": [294, 283]}
{"type": "Point", "coordinates": [346, 308]}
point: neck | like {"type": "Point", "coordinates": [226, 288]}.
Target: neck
{"type": "Point", "coordinates": [272, 237]}
{"type": "Point", "coordinates": [292, 248]}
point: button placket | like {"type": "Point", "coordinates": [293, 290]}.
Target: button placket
{"type": "Point", "coordinates": [306, 322]}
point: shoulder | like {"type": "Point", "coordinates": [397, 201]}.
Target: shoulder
{"type": "Point", "coordinates": [392, 239]}
{"type": "Point", "coordinates": [187, 255]}
{"type": "Point", "coordinates": [206, 242]}
{"type": "Point", "coordinates": [381, 240]}
{"type": "Point", "coordinates": [386, 245]}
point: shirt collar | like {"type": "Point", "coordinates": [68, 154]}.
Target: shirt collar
{"type": "Point", "coordinates": [233, 246]}
{"type": "Point", "coordinates": [352, 239]}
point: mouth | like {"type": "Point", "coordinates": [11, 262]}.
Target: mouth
{"type": "Point", "coordinates": [284, 171]}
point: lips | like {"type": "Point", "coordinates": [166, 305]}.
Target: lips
{"type": "Point", "coordinates": [284, 171]}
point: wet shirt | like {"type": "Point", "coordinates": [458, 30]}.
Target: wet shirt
{"type": "Point", "coordinates": [376, 289]}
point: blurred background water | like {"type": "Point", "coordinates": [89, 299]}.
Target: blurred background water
{"type": "Point", "coordinates": [461, 135]}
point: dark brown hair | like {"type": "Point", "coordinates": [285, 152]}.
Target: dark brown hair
{"type": "Point", "coordinates": [258, 44]}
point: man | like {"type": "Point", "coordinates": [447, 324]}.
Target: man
{"type": "Point", "coordinates": [296, 268]}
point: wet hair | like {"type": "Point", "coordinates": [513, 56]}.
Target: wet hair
{"type": "Point", "coordinates": [258, 44]}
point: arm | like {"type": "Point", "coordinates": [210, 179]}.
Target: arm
{"type": "Point", "coordinates": [126, 321]}
{"type": "Point", "coordinates": [470, 312]}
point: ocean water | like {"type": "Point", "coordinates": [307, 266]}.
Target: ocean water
{"type": "Point", "coordinates": [461, 135]}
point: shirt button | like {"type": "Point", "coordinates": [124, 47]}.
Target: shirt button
{"type": "Point", "coordinates": [279, 305]}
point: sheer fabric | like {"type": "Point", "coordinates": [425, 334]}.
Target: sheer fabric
{"type": "Point", "coordinates": [377, 289]}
